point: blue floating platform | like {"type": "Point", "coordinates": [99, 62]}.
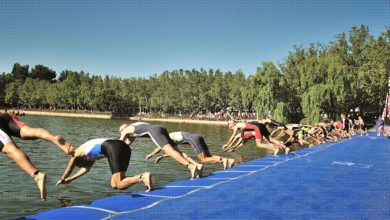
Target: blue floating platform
{"type": "Point", "coordinates": [349, 179]}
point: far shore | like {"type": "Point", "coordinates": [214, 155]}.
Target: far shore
{"type": "Point", "coordinates": [109, 116]}
{"type": "Point", "coordinates": [179, 120]}
{"type": "Point", "coordinates": [61, 114]}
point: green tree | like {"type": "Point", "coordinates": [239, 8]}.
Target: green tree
{"type": "Point", "coordinates": [264, 89]}
{"type": "Point", "coordinates": [42, 72]}
{"type": "Point", "coordinates": [314, 101]}
{"type": "Point", "coordinates": [12, 94]}
{"type": "Point", "coordinates": [19, 72]}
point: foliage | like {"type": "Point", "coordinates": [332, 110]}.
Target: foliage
{"type": "Point", "coordinates": [350, 72]}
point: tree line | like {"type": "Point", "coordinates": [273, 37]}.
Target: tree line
{"type": "Point", "coordinates": [350, 72]}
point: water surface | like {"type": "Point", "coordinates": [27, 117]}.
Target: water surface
{"type": "Point", "coordinates": [19, 195]}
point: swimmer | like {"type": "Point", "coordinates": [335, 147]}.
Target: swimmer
{"type": "Point", "coordinates": [381, 127]}
{"type": "Point", "coordinates": [296, 135]}
{"type": "Point", "coordinates": [10, 127]}
{"type": "Point", "coordinates": [241, 138]}
{"type": "Point", "coordinates": [159, 135]}
{"type": "Point", "coordinates": [327, 129]}
{"type": "Point", "coordinates": [200, 147]}
{"type": "Point", "coordinates": [118, 154]}
{"type": "Point", "coordinates": [338, 129]}
{"type": "Point", "coordinates": [260, 133]}
{"type": "Point", "coordinates": [24, 131]}
{"type": "Point", "coordinates": [346, 126]}
{"type": "Point", "coordinates": [313, 133]}
{"type": "Point", "coordinates": [362, 126]}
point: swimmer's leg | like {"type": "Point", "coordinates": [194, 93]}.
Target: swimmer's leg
{"type": "Point", "coordinates": [226, 162]}
{"type": "Point", "coordinates": [24, 162]}
{"type": "Point", "coordinates": [199, 166]}
{"type": "Point", "coordinates": [27, 132]}
{"type": "Point", "coordinates": [259, 144]}
{"type": "Point", "coordinates": [120, 181]}
{"type": "Point", "coordinates": [170, 151]}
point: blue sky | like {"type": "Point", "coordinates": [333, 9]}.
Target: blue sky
{"type": "Point", "coordinates": [141, 38]}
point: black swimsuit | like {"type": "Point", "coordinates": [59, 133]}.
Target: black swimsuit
{"type": "Point", "coordinates": [9, 127]}
{"type": "Point", "coordinates": [196, 142]}
{"type": "Point", "coordinates": [158, 134]}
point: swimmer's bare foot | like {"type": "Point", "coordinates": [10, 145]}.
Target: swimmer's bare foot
{"type": "Point", "coordinates": [64, 145]}
{"type": "Point", "coordinates": [225, 163]}
{"type": "Point", "coordinates": [230, 163]}
{"type": "Point", "coordinates": [287, 150]}
{"type": "Point", "coordinates": [199, 171]}
{"type": "Point", "coordinates": [40, 179]}
{"type": "Point", "coordinates": [276, 151]}
{"type": "Point", "coordinates": [192, 169]}
{"type": "Point", "coordinates": [147, 180]}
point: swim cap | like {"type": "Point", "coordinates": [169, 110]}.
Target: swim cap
{"type": "Point", "coordinates": [123, 126]}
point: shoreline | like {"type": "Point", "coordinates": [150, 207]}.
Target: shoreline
{"type": "Point", "coordinates": [109, 116]}
{"type": "Point", "coordinates": [61, 114]}
{"type": "Point", "coordinates": [177, 120]}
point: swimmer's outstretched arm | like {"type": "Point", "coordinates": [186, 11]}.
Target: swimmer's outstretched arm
{"type": "Point", "coordinates": [235, 131]}
{"type": "Point", "coordinates": [156, 151]}
{"type": "Point", "coordinates": [273, 132]}
{"type": "Point", "coordinates": [282, 133]}
{"type": "Point", "coordinates": [72, 162]}
{"type": "Point", "coordinates": [68, 169]}
{"type": "Point", "coordinates": [83, 170]}
{"type": "Point", "coordinates": [233, 144]}
{"type": "Point", "coordinates": [239, 144]}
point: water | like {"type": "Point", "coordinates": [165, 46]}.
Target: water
{"type": "Point", "coordinates": [19, 195]}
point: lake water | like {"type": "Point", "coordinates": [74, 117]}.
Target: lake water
{"type": "Point", "coordinates": [19, 195]}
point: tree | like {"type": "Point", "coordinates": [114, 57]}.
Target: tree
{"type": "Point", "coordinates": [4, 79]}
{"type": "Point", "coordinates": [235, 83]}
{"type": "Point", "coordinates": [263, 90]}
{"type": "Point", "coordinates": [314, 101]}
{"type": "Point", "coordinates": [43, 73]}
{"type": "Point", "coordinates": [11, 93]}
{"type": "Point", "coordinates": [19, 72]}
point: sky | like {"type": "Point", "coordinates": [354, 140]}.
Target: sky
{"type": "Point", "coordinates": [141, 38]}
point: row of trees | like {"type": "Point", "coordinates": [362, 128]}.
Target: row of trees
{"type": "Point", "coordinates": [348, 73]}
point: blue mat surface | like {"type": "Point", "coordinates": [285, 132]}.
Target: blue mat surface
{"type": "Point", "coordinates": [345, 180]}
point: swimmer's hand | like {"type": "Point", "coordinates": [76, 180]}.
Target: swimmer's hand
{"type": "Point", "coordinates": [148, 156]}
{"type": "Point", "coordinates": [63, 181]}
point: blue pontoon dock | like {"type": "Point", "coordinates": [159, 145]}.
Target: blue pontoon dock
{"type": "Point", "coordinates": [349, 179]}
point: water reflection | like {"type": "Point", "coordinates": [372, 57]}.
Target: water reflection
{"type": "Point", "coordinates": [64, 201]}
